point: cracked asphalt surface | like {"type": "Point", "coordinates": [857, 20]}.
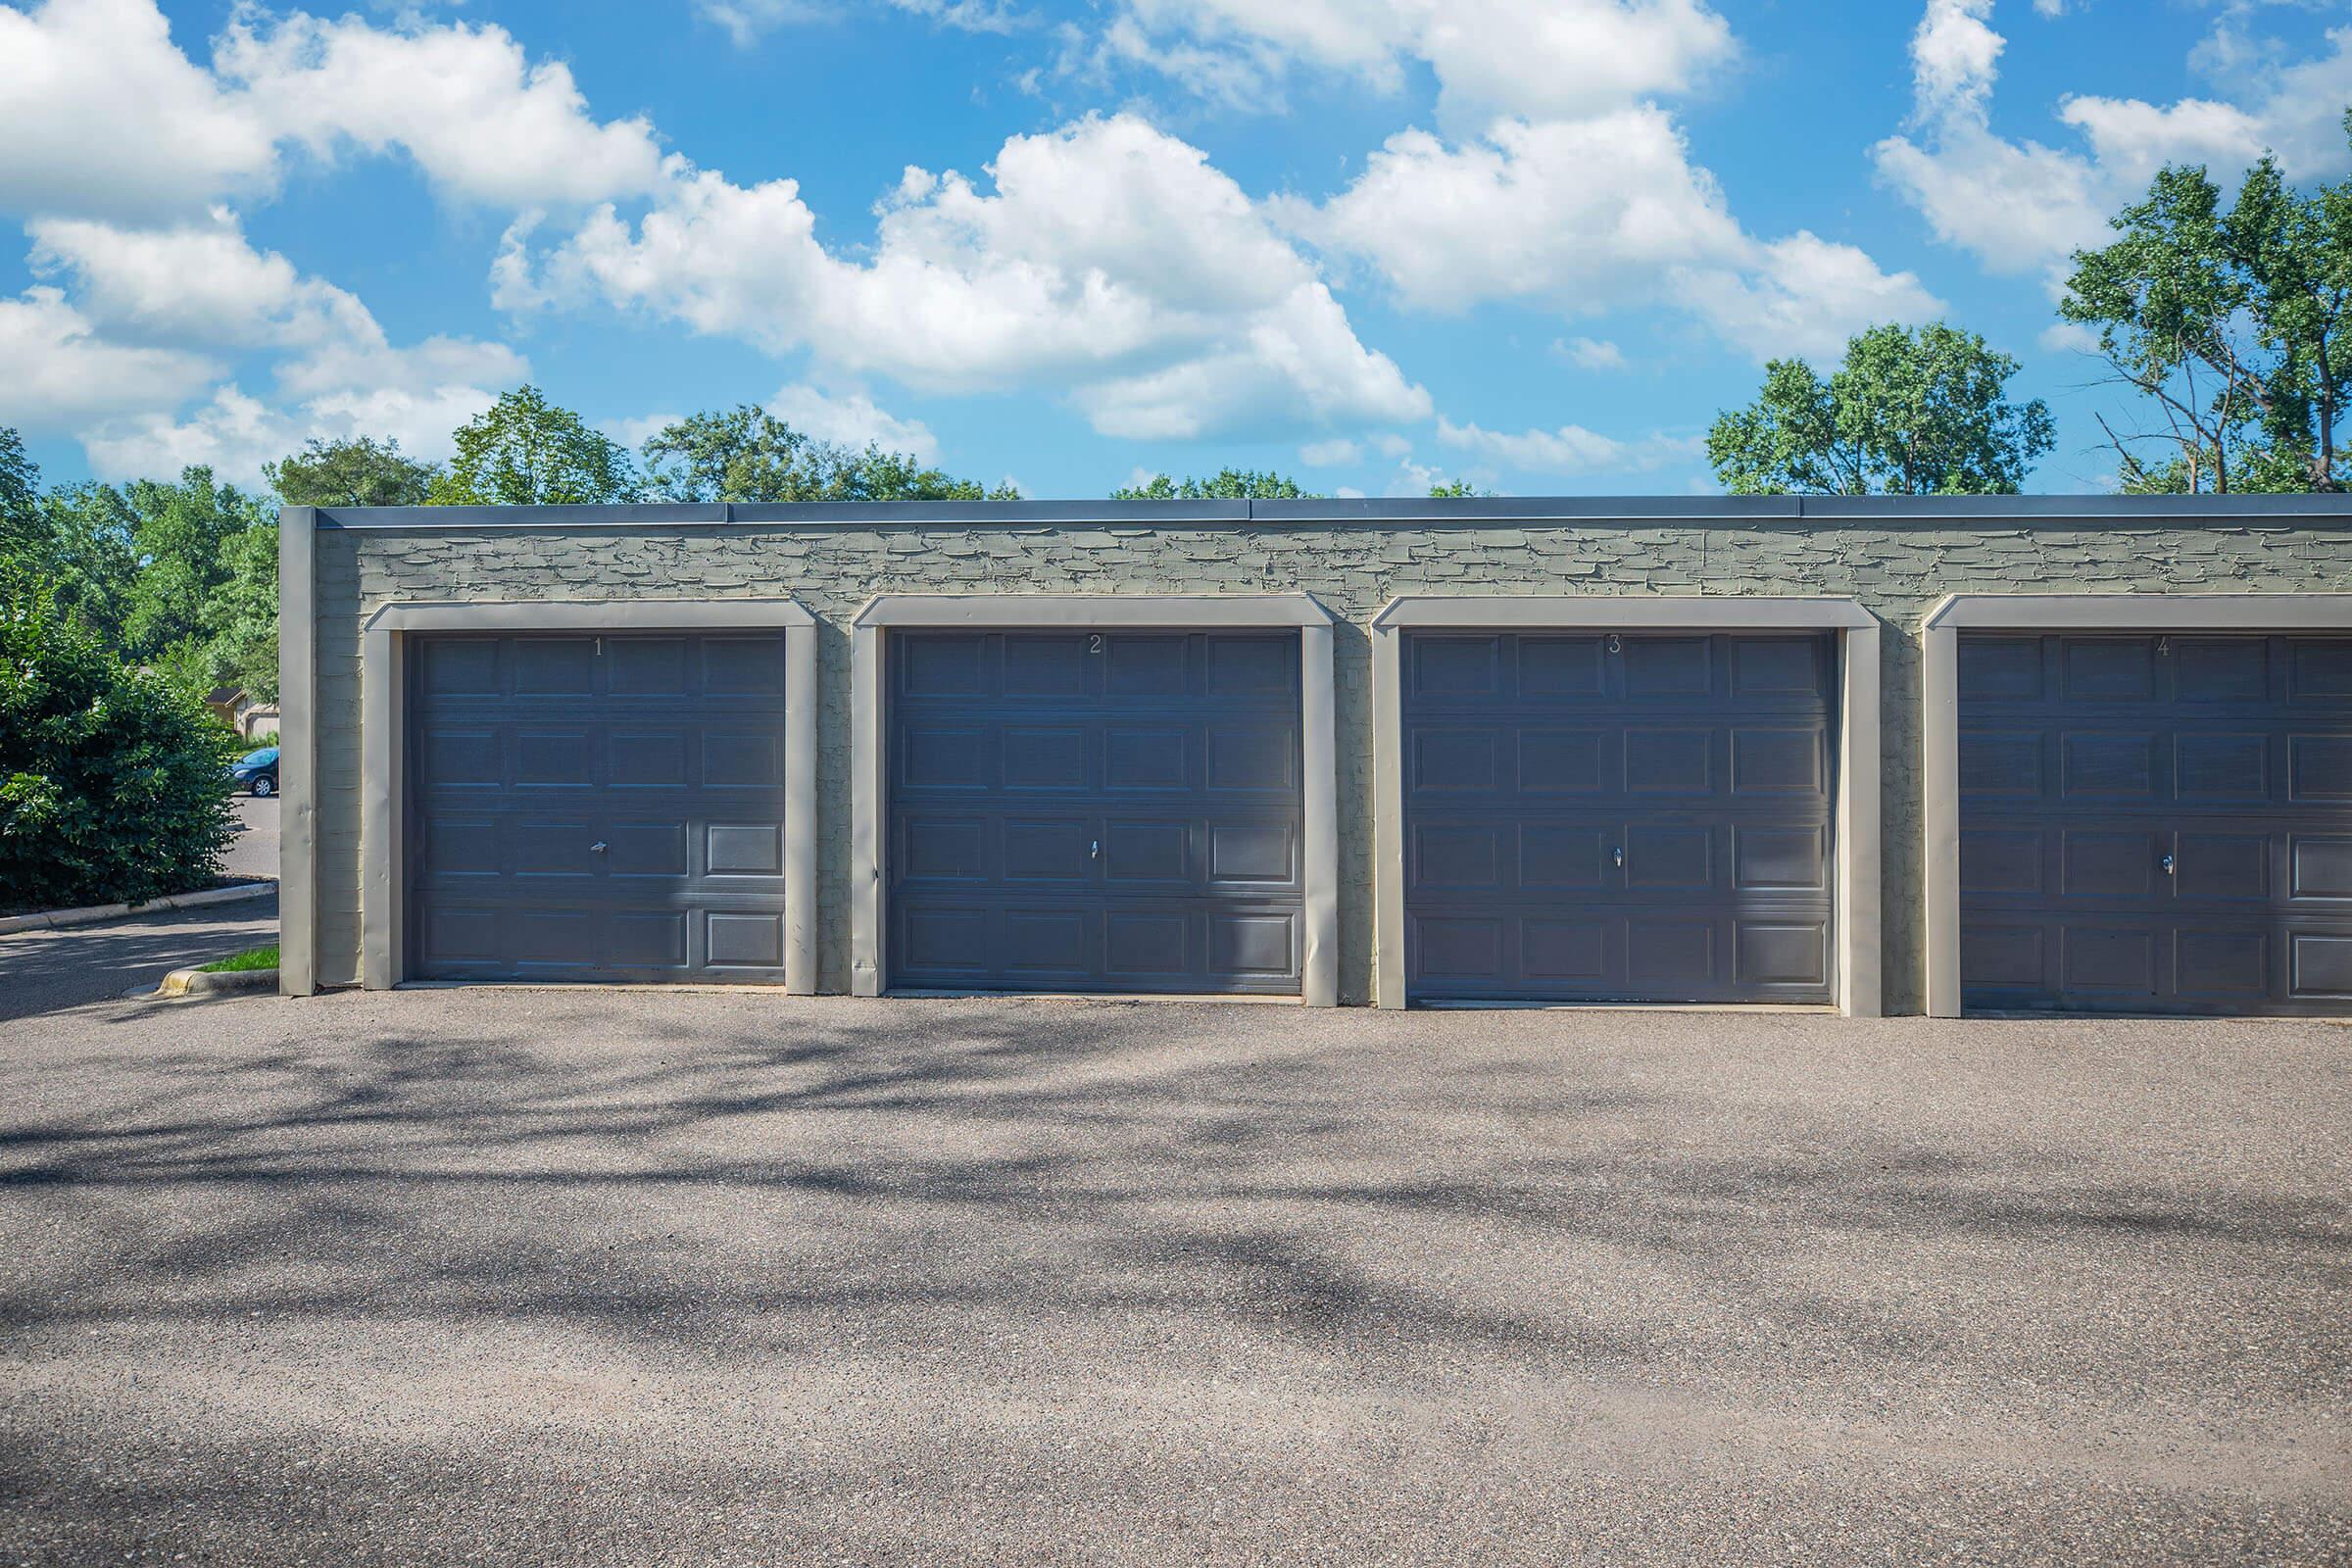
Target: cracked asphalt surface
{"type": "Point", "coordinates": [536, 1277]}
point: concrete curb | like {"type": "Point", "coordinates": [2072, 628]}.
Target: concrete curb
{"type": "Point", "coordinates": [215, 982]}
{"type": "Point", "coordinates": [48, 919]}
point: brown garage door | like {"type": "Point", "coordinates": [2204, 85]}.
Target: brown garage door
{"type": "Point", "coordinates": [2156, 823]}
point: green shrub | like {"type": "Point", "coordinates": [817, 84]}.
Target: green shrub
{"type": "Point", "coordinates": [111, 787]}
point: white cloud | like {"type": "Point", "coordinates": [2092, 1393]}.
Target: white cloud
{"type": "Point", "coordinates": [101, 113]}
{"type": "Point", "coordinates": [852, 419]}
{"type": "Point", "coordinates": [1109, 258]}
{"type": "Point", "coordinates": [1569, 450]}
{"type": "Point", "coordinates": [1590, 216]}
{"type": "Point", "coordinates": [1564, 211]}
{"type": "Point", "coordinates": [481, 121]}
{"type": "Point", "coordinates": [1339, 453]}
{"type": "Point", "coordinates": [1591, 354]}
{"type": "Point", "coordinates": [747, 21]}
{"type": "Point", "coordinates": [1533, 58]}
{"type": "Point", "coordinates": [193, 283]}
{"type": "Point", "coordinates": [1804, 294]}
{"type": "Point", "coordinates": [105, 115]}
{"type": "Point", "coordinates": [63, 374]}
{"type": "Point", "coordinates": [143, 297]}
{"type": "Point", "coordinates": [2022, 207]}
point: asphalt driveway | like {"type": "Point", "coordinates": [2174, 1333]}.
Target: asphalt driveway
{"type": "Point", "coordinates": [553, 1278]}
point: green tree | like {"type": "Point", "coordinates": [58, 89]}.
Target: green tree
{"type": "Point", "coordinates": [2233, 326]}
{"type": "Point", "coordinates": [357, 472]}
{"type": "Point", "coordinates": [20, 498]}
{"type": "Point", "coordinates": [1909, 412]}
{"type": "Point", "coordinates": [110, 776]}
{"type": "Point", "coordinates": [182, 537]}
{"type": "Point", "coordinates": [748, 456]}
{"type": "Point", "coordinates": [88, 556]}
{"type": "Point", "coordinates": [525, 451]}
{"type": "Point", "coordinates": [1454, 490]}
{"type": "Point", "coordinates": [1226, 484]}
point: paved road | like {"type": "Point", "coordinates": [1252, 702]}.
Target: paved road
{"type": "Point", "coordinates": [510, 1277]}
{"type": "Point", "coordinates": [254, 851]}
{"type": "Point", "coordinates": [43, 971]}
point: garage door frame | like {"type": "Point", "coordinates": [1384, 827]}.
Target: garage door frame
{"type": "Point", "coordinates": [1319, 867]}
{"type": "Point", "coordinates": [1855, 810]}
{"type": "Point", "coordinates": [383, 744]}
{"type": "Point", "coordinates": [2272, 615]}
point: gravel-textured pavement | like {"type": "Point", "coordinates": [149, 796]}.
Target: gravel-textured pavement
{"type": "Point", "coordinates": [513, 1276]}
{"type": "Point", "coordinates": [43, 971]}
{"type": "Point", "coordinates": [254, 851]}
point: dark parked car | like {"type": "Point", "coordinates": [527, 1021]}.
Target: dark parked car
{"type": "Point", "coordinates": [256, 772]}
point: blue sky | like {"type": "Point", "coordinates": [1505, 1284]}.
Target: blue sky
{"type": "Point", "coordinates": [1536, 243]}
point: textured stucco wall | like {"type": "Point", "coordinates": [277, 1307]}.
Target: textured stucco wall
{"type": "Point", "coordinates": [1898, 570]}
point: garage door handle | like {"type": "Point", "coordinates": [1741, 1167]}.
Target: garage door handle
{"type": "Point", "coordinates": [1618, 854]}
{"type": "Point", "coordinates": [2168, 866]}
{"type": "Point", "coordinates": [1093, 850]}
{"type": "Point", "coordinates": [597, 848]}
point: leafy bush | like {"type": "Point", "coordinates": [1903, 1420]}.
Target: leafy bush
{"type": "Point", "coordinates": [111, 779]}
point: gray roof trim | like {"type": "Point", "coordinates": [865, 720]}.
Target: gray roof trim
{"type": "Point", "coordinates": [1470, 512]}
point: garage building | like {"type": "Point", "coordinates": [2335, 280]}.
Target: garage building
{"type": "Point", "coordinates": [1873, 754]}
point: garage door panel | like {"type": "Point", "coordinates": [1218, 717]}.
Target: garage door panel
{"type": "Point", "coordinates": [2214, 752]}
{"type": "Point", "coordinates": [1145, 667]}
{"type": "Point", "coordinates": [743, 759]}
{"type": "Point", "coordinates": [553, 666]}
{"type": "Point", "coordinates": [1261, 947]}
{"type": "Point", "coordinates": [654, 850]}
{"type": "Point", "coordinates": [600, 847]}
{"type": "Point", "coordinates": [2107, 865]}
{"type": "Point", "coordinates": [2118, 669]}
{"type": "Point", "coordinates": [452, 757]}
{"type": "Point", "coordinates": [1562, 669]}
{"type": "Point", "coordinates": [1045, 667]}
{"type": "Point", "coordinates": [559, 758]}
{"type": "Point", "coordinates": [1782, 954]}
{"type": "Point", "coordinates": [1669, 859]}
{"type": "Point", "coordinates": [2221, 669]}
{"type": "Point", "coordinates": [1775, 666]}
{"type": "Point", "coordinates": [1670, 762]}
{"type": "Point", "coordinates": [2000, 669]}
{"type": "Point", "coordinates": [2322, 965]}
{"type": "Point", "coordinates": [1655, 826]}
{"type": "Point", "coordinates": [1140, 833]}
{"type": "Point", "coordinates": [1252, 666]}
{"type": "Point", "coordinates": [1263, 854]}
{"type": "Point", "coordinates": [1252, 758]}
{"type": "Point", "coordinates": [2000, 763]}
{"type": "Point", "coordinates": [2104, 766]}
{"type": "Point", "coordinates": [1780, 858]}
{"type": "Point", "coordinates": [2321, 866]}
{"type": "Point", "coordinates": [2097, 957]}
{"type": "Point", "coordinates": [1565, 952]}
{"type": "Point", "coordinates": [2223, 964]}
{"type": "Point", "coordinates": [1668, 666]}
{"type": "Point", "coordinates": [2220, 769]}
{"type": "Point", "coordinates": [1570, 761]}
{"type": "Point", "coordinates": [2322, 670]}
{"type": "Point", "coordinates": [649, 758]}
{"type": "Point", "coordinates": [648, 666]}
{"type": "Point", "coordinates": [1048, 849]}
{"type": "Point", "coordinates": [1563, 857]}
{"type": "Point", "coordinates": [1148, 757]}
{"type": "Point", "coordinates": [2319, 768]}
